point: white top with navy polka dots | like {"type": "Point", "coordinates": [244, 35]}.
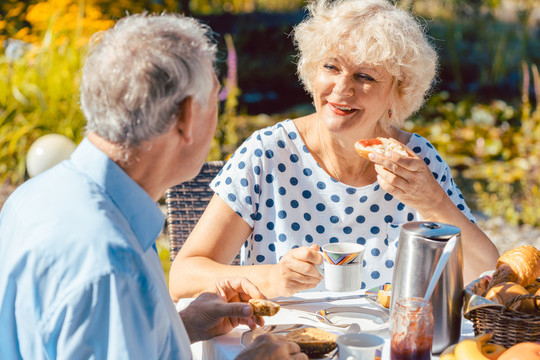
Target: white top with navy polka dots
{"type": "Point", "coordinates": [273, 182]}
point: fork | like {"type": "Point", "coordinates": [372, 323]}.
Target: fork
{"type": "Point", "coordinates": [275, 329]}
{"type": "Point", "coordinates": [352, 327]}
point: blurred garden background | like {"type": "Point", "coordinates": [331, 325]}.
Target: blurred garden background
{"type": "Point", "coordinates": [483, 114]}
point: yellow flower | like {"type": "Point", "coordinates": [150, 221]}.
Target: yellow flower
{"type": "Point", "coordinates": [15, 11]}
{"type": "Point", "coordinates": [21, 34]}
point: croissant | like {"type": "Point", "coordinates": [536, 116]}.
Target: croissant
{"type": "Point", "coordinates": [520, 265]}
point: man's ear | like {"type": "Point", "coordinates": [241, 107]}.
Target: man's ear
{"type": "Point", "coordinates": [185, 120]}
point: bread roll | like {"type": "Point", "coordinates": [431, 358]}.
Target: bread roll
{"type": "Point", "coordinates": [380, 145]}
{"type": "Point", "coordinates": [313, 342]}
{"type": "Point", "coordinates": [520, 265]}
{"type": "Point", "coordinates": [264, 307]}
{"type": "Point", "coordinates": [503, 293]}
{"type": "Point", "coordinates": [533, 287]}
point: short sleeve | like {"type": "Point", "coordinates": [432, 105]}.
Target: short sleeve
{"type": "Point", "coordinates": [451, 188]}
{"type": "Point", "coordinates": [116, 317]}
{"type": "Point", "coordinates": [239, 182]}
{"type": "Point", "coordinates": [442, 173]}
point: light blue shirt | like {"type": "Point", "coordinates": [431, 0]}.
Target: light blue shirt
{"type": "Point", "coordinates": [79, 277]}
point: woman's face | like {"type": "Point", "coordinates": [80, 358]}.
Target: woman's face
{"type": "Point", "coordinates": [350, 96]}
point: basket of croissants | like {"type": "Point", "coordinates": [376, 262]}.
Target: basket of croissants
{"type": "Point", "coordinates": [507, 302]}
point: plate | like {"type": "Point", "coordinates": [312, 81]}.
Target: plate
{"type": "Point", "coordinates": [374, 300]}
{"type": "Point", "coordinates": [370, 320]}
{"type": "Point", "coordinates": [282, 329]}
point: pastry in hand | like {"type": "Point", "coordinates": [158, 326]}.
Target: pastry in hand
{"type": "Point", "coordinates": [380, 145]}
{"type": "Point", "coordinates": [264, 307]}
{"type": "Point", "coordinates": [313, 342]}
{"type": "Point", "coordinates": [520, 265]}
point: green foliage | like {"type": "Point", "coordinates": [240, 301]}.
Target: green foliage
{"type": "Point", "coordinates": [510, 185]}
{"type": "Point", "coordinates": [493, 149]}
{"type": "Point", "coordinates": [162, 247]}
{"type": "Point", "coordinates": [38, 95]}
{"type": "Point", "coordinates": [205, 7]}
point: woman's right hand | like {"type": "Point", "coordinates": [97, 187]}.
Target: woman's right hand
{"type": "Point", "coordinates": [271, 347]}
{"type": "Point", "coordinates": [296, 271]}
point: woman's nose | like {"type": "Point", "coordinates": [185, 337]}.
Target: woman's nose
{"type": "Point", "coordinates": [344, 86]}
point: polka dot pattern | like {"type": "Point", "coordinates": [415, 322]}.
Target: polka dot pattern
{"type": "Point", "coordinates": [301, 205]}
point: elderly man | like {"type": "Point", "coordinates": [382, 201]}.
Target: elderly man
{"type": "Point", "coordinates": [79, 274]}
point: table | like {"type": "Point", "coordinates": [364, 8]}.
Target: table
{"type": "Point", "coordinates": [227, 346]}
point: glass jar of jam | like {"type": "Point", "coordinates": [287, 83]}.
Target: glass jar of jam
{"type": "Point", "coordinates": [411, 329]}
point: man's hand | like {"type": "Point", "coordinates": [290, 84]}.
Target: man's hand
{"type": "Point", "coordinates": [271, 347]}
{"type": "Point", "coordinates": [297, 270]}
{"type": "Point", "coordinates": [213, 314]}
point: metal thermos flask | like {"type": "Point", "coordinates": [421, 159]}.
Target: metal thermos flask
{"type": "Point", "coordinates": [420, 246]}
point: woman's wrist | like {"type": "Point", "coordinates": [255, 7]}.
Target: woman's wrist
{"type": "Point", "coordinates": [265, 278]}
{"type": "Point", "coordinates": [438, 208]}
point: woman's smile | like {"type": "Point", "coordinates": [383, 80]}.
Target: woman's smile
{"type": "Point", "coordinates": [340, 109]}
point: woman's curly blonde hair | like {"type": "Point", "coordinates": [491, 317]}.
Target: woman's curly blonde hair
{"type": "Point", "coordinates": [369, 32]}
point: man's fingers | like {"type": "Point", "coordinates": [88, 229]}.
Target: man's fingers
{"type": "Point", "coordinates": [293, 347]}
{"type": "Point", "coordinates": [294, 351]}
{"type": "Point", "coordinates": [236, 309]}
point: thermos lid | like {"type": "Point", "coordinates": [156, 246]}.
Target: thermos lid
{"type": "Point", "coordinates": [431, 230]}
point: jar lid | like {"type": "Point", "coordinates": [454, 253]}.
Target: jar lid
{"type": "Point", "coordinates": [431, 230]}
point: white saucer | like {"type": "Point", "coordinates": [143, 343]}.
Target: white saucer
{"type": "Point", "coordinates": [370, 320]}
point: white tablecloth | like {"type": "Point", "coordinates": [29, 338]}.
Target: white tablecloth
{"type": "Point", "coordinates": [226, 347]}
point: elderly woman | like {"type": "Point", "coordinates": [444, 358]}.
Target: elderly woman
{"type": "Point", "coordinates": [300, 184]}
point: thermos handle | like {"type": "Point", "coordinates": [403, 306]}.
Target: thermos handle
{"type": "Point", "coordinates": [447, 251]}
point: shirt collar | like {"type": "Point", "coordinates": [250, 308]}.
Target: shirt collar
{"type": "Point", "coordinates": [142, 213]}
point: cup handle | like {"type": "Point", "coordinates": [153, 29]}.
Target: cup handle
{"type": "Point", "coordinates": [320, 269]}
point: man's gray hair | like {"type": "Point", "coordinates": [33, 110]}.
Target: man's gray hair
{"type": "Point", "coordinates": [139, 72]}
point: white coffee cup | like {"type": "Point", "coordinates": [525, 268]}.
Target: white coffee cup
{"type": "Point", "coordinates": [343, 266]}
{"type": "Point", "coordinates": [359, 346]}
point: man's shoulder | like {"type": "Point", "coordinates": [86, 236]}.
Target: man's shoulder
{"type": "Point", "coordinates": [63, 226]}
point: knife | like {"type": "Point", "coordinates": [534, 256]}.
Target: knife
{"type": "Point", "coordinates": [325, 299]}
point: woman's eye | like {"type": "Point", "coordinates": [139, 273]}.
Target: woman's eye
{"type": "Point", "coordinates": [330, 67]}
{"type": "Point", "coordinates": [363, 76]}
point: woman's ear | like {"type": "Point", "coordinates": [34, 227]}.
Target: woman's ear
{"type": "Point", "coordinates": [185, 120]}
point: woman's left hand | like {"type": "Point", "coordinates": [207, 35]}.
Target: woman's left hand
{"type": "Point", "coordinates": [410, 180]}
